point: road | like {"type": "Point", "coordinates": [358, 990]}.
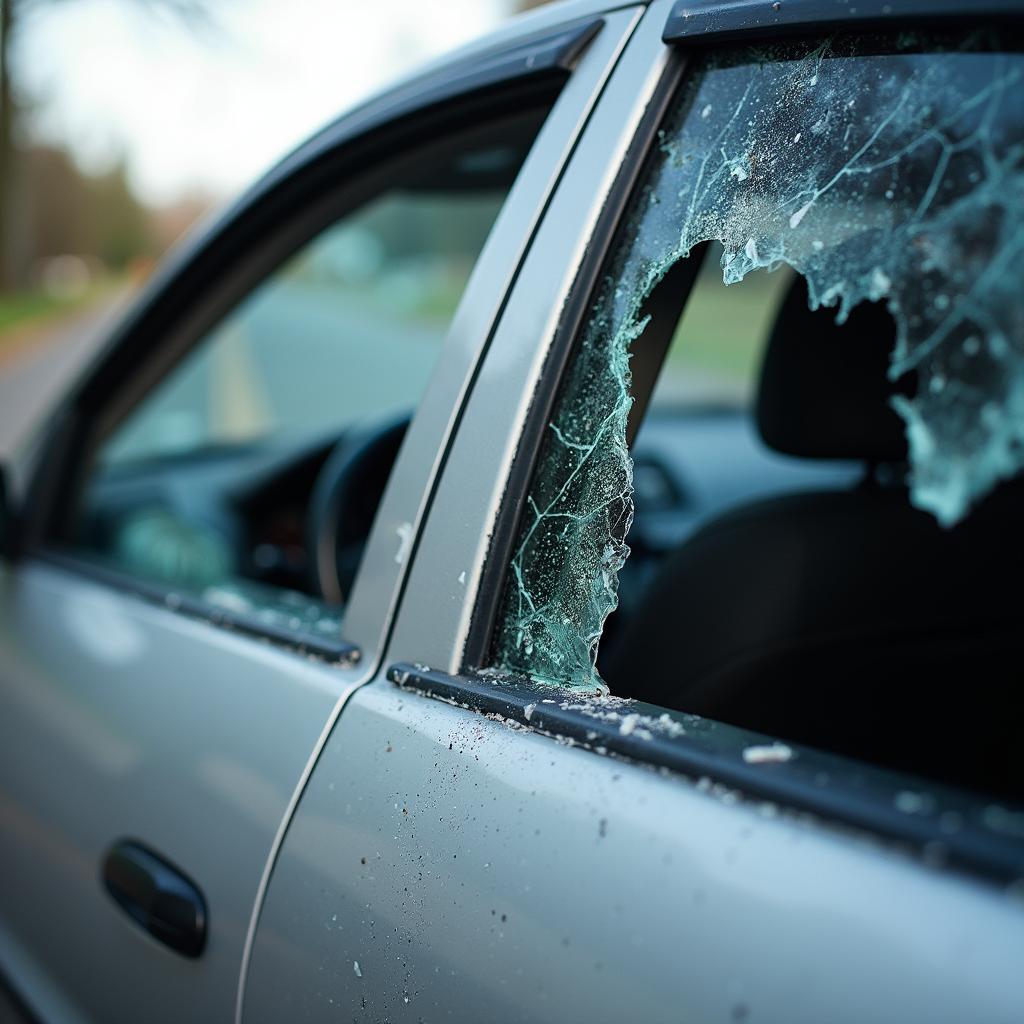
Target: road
{"type": "Point", "coordinates": [296, 358]}
{"type": "Point", "coordinates": [35, 371]}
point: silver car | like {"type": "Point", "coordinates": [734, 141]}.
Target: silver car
{"type": "Point", "coordinates": [327, 690]}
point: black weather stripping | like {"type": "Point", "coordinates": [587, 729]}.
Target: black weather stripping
{"type": "Point", "coordinates": [944, 825]}
{"type": "Point", "coordinates": [334, 650]}
{"type": "Point", "coordinates": [694, 21]}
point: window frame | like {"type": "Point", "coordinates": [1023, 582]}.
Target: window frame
{"type": "Point", "coordinates": [273, 253]}
{"type": "Point", "coordinates": [644, 366]}
{"type": "Point", "coordinates": [742, 766]}
{"type": "Point", "coordinates": [551, 295]}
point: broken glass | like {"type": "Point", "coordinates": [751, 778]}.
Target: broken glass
{"type": "Point", "coordinates": [880, 174]}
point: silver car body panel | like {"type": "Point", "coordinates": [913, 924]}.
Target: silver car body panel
{"type": "Point", "coordinates": [435, 619]}
{"type": "Point", "coordinates": [409, 490]}
{"type": "Point", "coordinates": [475, 872]}
{"type": "Point", "coordinates": [124, 718]}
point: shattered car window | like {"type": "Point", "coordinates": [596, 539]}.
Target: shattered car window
{"type": "Point", "coordinates": [888, 177]}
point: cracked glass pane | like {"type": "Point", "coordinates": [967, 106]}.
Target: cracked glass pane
{"type": "Point", "coordinates": [880, 174]}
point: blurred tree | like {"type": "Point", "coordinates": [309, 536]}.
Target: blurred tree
{"type": "Point", "coordinates": [54, 211]}
{"type": "Point", "coordinates": [15, 256]}
{"type": "Point", "coordinates": [528, 5]}
{"type": "Point", "coordinates": [65, 211]}
{"type": "Point", "coordinates": [118, 225]}
{"type": "Point", "coordinates": [7, 169]}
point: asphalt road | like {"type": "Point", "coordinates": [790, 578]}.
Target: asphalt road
{"type": "Point", "coordinates": [301, 359]}
{"type": "Point", "coordinates": [34, 375]}
{"type": "Point", "coordinates": [295, 360]}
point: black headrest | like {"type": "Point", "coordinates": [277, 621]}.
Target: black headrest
{"type": "Point", "coordinates": [824, 390]}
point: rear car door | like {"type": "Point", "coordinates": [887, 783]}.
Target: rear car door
{"type": "Point", "coordinates": [216, 537]}
{"type": "Point", "coordinates": [490, 835]}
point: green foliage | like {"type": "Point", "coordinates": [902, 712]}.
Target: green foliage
{"type": "Point", "coordinates": [15, 309]}
{"type": "Point", "coordinates": [118, 224]}
{"type": "Point", "coordinates": [39, 308]}
{"type": "Point", "coordinates": [47, 206]}
{"type": "Point", "coordinates": [68, 211]}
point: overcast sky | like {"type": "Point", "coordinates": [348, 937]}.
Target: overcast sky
{"type": "Point", "coordinates": [211, 112]}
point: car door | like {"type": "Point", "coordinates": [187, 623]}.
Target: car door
{"type": "Point", "coordinates": [475, 843]}
{"type": "Point", "coordinates": [168, 670]}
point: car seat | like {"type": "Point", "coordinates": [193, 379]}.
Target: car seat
{"type": "Point", "coordinates": [844, 619]}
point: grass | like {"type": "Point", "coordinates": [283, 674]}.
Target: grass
{"type": "Point", "coordinates": [38, 309]}
{"type": "Point", "coordinates": [22, 306]}
{"type": "Point", "coordinates": [723, 329]}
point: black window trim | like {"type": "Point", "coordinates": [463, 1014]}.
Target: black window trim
{"type": "Point", "coordinates": [333, 650]}
{"type": "Point", "coordinates": [719, 21]}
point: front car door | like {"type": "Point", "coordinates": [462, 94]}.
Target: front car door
{"type": "Point", "coordinates": [517, 844]}
{"type": "Point", "coordinates": [198, 589]}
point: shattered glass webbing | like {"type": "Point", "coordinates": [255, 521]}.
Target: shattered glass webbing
{"type": "Point", "coordinates": [894, 177]}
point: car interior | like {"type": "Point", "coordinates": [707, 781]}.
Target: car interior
{"type": "Point", "coordinates": [822, 608]}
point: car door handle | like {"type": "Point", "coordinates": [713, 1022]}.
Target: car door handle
{"type": "Point", "coordinates": [157, 896]}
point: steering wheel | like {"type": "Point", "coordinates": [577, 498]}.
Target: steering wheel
{"type": "Point", "coordinates": [344, 501]}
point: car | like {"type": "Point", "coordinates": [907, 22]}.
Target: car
{"type": "Point", "coordinates": [327, 688]}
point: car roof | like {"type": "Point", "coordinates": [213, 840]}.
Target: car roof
{"type": "Point", "coordinates": [714, 20]}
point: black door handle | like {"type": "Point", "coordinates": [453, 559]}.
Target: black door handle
{"type": "Point", "coordinates": [156, 895]}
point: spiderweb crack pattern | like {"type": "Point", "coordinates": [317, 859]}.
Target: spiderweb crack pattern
{"type": "Point", "coordinates": [879, 177]}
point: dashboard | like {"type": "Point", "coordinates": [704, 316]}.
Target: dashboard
{"type": "Point", "coordinates": [245, 511]}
